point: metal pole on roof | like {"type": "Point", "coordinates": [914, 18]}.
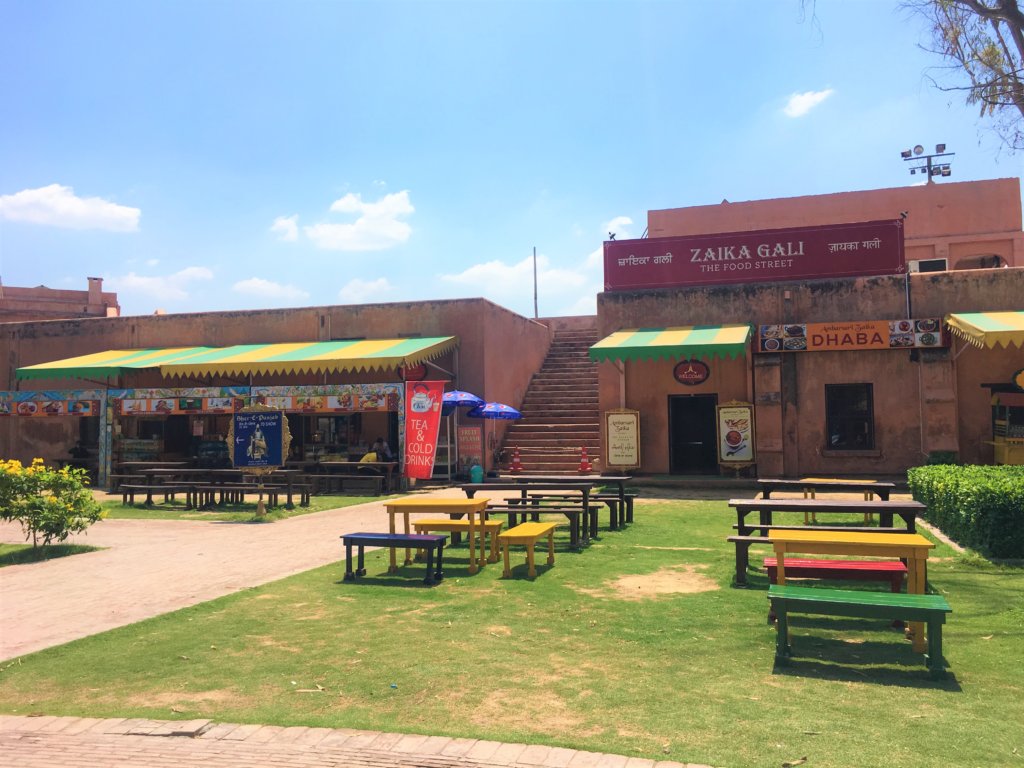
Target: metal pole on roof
{"type": "Point", "coordinates": [535, 315]}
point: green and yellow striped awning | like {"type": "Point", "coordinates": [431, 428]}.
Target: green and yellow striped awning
{"type": "Point", "coordinates": [680, 343]}
{"type": "Point", "coordinates": [248, 359]}
{"type": "Point", "coordinates": [989, 329]}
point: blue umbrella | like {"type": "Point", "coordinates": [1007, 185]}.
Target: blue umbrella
{"type": "Point", "coordinates": [494, 411]}
{"type": "Point", "coordinates": [459, 399]}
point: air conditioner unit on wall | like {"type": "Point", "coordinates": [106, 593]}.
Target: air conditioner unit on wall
{"type": "Point", "coordinates": [927, 265]}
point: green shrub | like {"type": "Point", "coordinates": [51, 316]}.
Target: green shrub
{"type": "Point", "coordinates": [978, 507]}
{"type": "Point", "coordinates": [51, 504]}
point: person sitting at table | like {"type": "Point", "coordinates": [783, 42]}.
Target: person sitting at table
{"type": "Point", "coordinates": [79, 451]}
{"type": "Point", "coordinates": [383, 450]}
{"type": "Point", "coordinates": [370, 457]}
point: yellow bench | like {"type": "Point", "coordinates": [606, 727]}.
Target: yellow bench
{"type": "Point", "coordinates": [489, 527]}
{"type": "Point", "coordinates": [528, 534]}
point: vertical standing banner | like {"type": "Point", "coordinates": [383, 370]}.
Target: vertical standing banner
{"type": "Point", "coordinates": [422, 420]}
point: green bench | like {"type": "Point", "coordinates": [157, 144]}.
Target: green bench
{"type": "Point", "coordinates": [930, 609]}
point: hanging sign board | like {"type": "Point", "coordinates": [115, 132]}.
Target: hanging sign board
{"type": "Point", "coordinates": [258, 438]}
{"type": "Point", "coordinates": [622, 438]}
{"type": "Point", "coordinates": [422, 420]}
{"type": "Point", "coordinates": [803, 253]}
{"type": "Point", "coordinates": [471, 446]}
{"type": "Point", "coordinates": [735, 422]}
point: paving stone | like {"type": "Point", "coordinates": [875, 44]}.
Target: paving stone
{"type": "Point", "coordinates": [639, 762]}
{"type": "Point", "coordinates": [483, 750]}
{"type": "Point", "coordinates": [337, 737]}
{"type": "Point", "coordinates": [559, 757]}
{"type": "Point", "coordinates": [241, 732]}
{"type": "Point", "coordinates": [313, 736]}
{"type": "Point", "coordinates": [535, 754]}
{"type": "Point", "coordinates": [219, 731]}
{"type": "Point", "coordinates": [458, 747]}
{"type": "Point", "coordinates": [81, 725]}
{"type": "Point", "coordinates": [34, 724]}
{"type": "Point", "coordinates": [265, 734]}
{"type": "Point", "coordinates": [585, 760]}
{"type": "Point", "coordinates": [507, 754]}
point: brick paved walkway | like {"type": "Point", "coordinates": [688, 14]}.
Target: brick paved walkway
{"type": "Point", "coordinates": [150, 567]}
{"type": "Point", "coordinates": [48, 742]}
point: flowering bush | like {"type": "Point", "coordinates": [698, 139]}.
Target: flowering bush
{"type": "Point", "coordinates": [51, 504]}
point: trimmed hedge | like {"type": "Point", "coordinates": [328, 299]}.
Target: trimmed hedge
{"type": "Point", "coordinates": [978, 507]}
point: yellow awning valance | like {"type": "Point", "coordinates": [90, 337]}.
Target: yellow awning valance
{"type": "Point", "coordinates": [989, 329]}
{"type": "Point", "coordinates": [246, 359]}
{"type": "Point", "coordinates": [681, 342]}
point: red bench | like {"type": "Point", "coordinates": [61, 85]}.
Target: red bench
{"type": "Point", "coordinates": [892, 571]}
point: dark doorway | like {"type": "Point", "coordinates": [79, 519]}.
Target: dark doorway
{"type": "Point", "coordinates": [691, 435]}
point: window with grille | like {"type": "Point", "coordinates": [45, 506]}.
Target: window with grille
{"type": "Point", "coordinates": [850, 417]}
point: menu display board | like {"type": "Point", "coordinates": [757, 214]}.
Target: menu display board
{"type": "Point", "coordinates": [861, 334]}
{"type": "Point", "coordinates": [257, 439]}
{"type": "Point", "coordinates": [471, 446]}
{"type": "Point", "coordinates": [735, 422]}
{"type": "Point", "coordinates": [50, 403]}
{"type": "Point", "coordinates": [622, 438]}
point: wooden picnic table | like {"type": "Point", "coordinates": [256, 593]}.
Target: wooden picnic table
{"type": "Point", "coordinates": [439, 506]}
{"type": "Point", "coordinates": [809, 485]}
{"type": "Point", "coordinates": [352, 467]}
{"type": "Point", "coordinates": [585, 524]}
{"type": "Point", "coordinates": [913, 548]}
{"type": "Point", "coordinates": [619, 481]}
{"type": "Point", "coordinates": [908, 511]}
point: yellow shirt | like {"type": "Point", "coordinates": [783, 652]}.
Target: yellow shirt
{"type": "Point", "coordinates": [371, 456]}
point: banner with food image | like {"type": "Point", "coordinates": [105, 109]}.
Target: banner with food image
{"type": "Point", "coordinates": [735, 433]}
{"type": "Point", "coordinates": [852, 335]}
{"type": "Point", "coordinates": [71, 402]}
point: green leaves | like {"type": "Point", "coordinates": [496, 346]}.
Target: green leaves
{"type": "Point", "coordinates": [50, 504]}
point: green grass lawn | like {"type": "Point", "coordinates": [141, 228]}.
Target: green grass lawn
{"type": "Point", "coordinates": [175, 510]}
{"type": "Point", "coordinates": [18, 554]}
{"type": "Point", "coordinates": [637, 646]}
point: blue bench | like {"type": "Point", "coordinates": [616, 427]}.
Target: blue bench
{"type": "Point", "coordinates": [425, 541]}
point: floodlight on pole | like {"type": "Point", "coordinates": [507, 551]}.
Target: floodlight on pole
{"type": "Point", "coordinates": [929, 169]}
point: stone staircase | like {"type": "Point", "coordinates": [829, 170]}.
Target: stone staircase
{"type": "Point", "coordinates": [560, 413]}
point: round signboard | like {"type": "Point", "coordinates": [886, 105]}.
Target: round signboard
{"type": "Point", "coordinates": [1018, 378]}
{"type": "Point", "coordinates": [413, 372]}
{"type": "Point", "coordinates": [691, 372]}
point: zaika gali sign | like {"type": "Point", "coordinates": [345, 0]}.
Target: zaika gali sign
{"type": "Point", "coordinates": [810, 253]}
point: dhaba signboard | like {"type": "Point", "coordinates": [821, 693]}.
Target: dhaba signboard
{"type": "Point", "coordinates": [923, 333]}
{"type": "Point", "coordinates": [807, 253]}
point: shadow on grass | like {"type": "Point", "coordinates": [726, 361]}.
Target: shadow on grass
{"type": "Point", "coordinates": [27, 554]}
{"type": "Point", "coordinates": [869, 662]}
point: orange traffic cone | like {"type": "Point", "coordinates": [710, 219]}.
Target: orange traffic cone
{"type": "Point", "coordinates": [517, 465]}
{"type": "Point", "coordinates": [585, 466]}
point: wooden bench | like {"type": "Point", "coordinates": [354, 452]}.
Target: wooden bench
{"type": "Point", "coordinates": [361, 483]}
{"type": "Point", "coordinates": [744, 541]}
{"type": "Point", "coordinates": [129, 491]}
{"type": "Point", "coordinates": [528, 534]}
{"type": "Point", "coordinates": [204, 496]}
{"type": "Point", "coordinates": [115, 481]}
{"type": "Point", "coordinates": [891, 571]}
{"type": "Point", "coordinates": [490, 528]}
{"type": "Point", "coordinates": [430, 542]}
{"type": "Point", "coordinates": [930, 609]}
{"type": "Point", "coordinates": [620, 517]}
{"type": "Point", "coordinates": [580, 529]}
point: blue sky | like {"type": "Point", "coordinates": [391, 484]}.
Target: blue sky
{"type": "Point", "coordinates": [212, 155]}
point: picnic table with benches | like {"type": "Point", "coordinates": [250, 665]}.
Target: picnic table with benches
{"type": "Point", "coordinates": [809, 485]}
{"type": "Point", "coordinates": [912, 548]}
{"type": "Point", "coordinates": [620, 502]}
{"type": "Point", "coordinates": [582, 517]}
{"type": "Point", "coordinates": [472, 508]}
{"type": "Point", "coordinates": [918, 608]}
{"type": "Point", "coordinates": [749, 533]}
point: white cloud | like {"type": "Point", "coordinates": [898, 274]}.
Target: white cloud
{"type": "Point", "coordinates": [800, 104]}
{"type": "Point", "coordinates": [286, 228]}
{"type": "Point", "coordinates": [58, 206]}
{"type": "Point", "coordinates": [377, 227]}
{"type": "Point", "coordinates": [617, 226]}
{"type": "Point", "coordinates": [358, 291]}
{"type": "Point", "coordinates": [168, 287]}
{"type": "Point", "coordinates": [268, 289]}
{"type": "Point", "coordinates": [500, 282]}
{"type": "Point", "coordinates": [152, 262]}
